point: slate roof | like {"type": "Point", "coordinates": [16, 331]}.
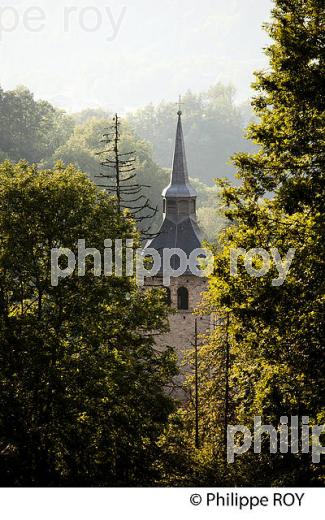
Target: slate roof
{"type": "Point", "coordinates": [178, 230]}
{"type": "Point", "coordinates": [179, 185]}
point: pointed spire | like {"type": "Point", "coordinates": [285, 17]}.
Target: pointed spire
{"type": "Point", "coordinates": [179, 185]}
{"type": "Point", "coordinates": [179, 173]}
{"type": "Point", "coordinates": [179, 228]}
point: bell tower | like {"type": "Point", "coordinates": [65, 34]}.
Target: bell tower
{"type": "Point", "coordinates": [180, 230]}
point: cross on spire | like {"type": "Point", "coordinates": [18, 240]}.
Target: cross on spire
{"type": "Point", "coordinates": [180, 104]}
{"type": "Point", "coordinates": [179, 228]}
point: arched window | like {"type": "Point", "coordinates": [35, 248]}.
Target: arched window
{"type": "Point", "coordinates": [182, 299]}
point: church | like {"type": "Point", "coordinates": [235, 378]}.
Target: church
{"type": "Point", "coordinates": [180, 230]}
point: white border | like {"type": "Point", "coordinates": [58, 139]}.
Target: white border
{"type": "Point", "coordinates": [147, 504]}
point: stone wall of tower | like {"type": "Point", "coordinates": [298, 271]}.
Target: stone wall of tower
{"type": "Point", "coordinates": [181, 335]}
{"type": "Point", "coordinates": [180, 231]}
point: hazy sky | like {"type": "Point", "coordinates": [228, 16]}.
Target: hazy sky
{"type": "Point", "coordinates": [123, 54]}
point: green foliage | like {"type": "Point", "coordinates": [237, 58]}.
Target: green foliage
{"type": "Point", "coordinates": [213, 131]}
{"type": "Point", "coordinates": [275, 334]}
{"type": "Point", "coordinates": [30, 130]}
{"type": "Point", "coordinates": [81, 383]}
{"type": "Point", "coordinates": [91, 113]}
{"type": "Point", "coordinates": [210, 210]}
{"type": "Point", "coordinates": [39, 133]}
{"type": "Point", "coordinates": [81, 150]}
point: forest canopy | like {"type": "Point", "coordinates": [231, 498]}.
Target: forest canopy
{"type": "Point", "coordinates": [213, 125]}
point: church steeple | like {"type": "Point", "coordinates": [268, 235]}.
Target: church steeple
{"type": "Point", "coordinates": [179, 232]}
{"type": "Point", "coordinates": [179, 185]}
{"type": "Point", "coordinates": [179, 228]}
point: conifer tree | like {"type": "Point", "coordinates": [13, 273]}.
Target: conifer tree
{"type": "Point", "coordinates": [276, 332]}
{"type": "Point", "coordinates": [119, 176]}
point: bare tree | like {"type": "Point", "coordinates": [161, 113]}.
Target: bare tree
{"type": "Point", "coordinates": [118, 174]}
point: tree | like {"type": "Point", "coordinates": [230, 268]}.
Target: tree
{"type": "Point", "coordinates": [275, 333]}
{"type": "Point", "coordinates": [30, 130]}
{"type": "Point", "coordinates": [213, 128]}
{"type": "Point", "coordinates": [119, 178]}
{"type": "Point", "coordinates": [38, 132]}
{"type": "Point", "coordinates": [82, 147]}
{"type": "Point", "coordinates": [82, 398]}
